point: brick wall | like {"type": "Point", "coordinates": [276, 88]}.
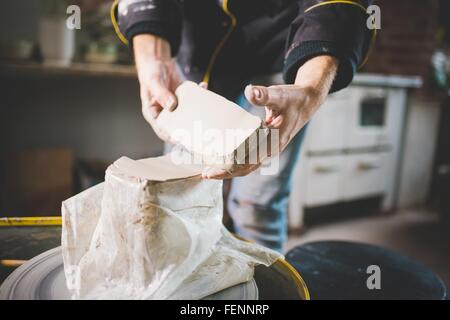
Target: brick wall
{"type": "Point", "coordinates": [406, 40]}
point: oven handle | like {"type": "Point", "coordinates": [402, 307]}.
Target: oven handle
{"type": "Point", "coordinates": [367, 166]}
{"type": "Point", "coordinates": [326, 169]}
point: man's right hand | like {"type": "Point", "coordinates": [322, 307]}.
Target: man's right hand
{"type": "Point", "coordinates": [158, 77]}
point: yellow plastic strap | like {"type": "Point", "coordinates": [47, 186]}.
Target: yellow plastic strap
{"type": "Point", "coordinates": [295, 276]}
{"type": "Point", "coordinates": [359, 5]}
{"type": "Point", "coordinates": [354, 3]}
{"type": "Point", "coordinates": [369, 51]}
{"type": "Point", "coordinates": [12, 263]}
{"type": "Point", "coordinates": [115, 24]}
{"type": "Point", "coordinates": [30, 221]}
{"type": "Point", "coordinates": [222, 42]}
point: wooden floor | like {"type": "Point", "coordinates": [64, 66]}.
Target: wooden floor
{"type": "Point", "coordinates": [416, 233]}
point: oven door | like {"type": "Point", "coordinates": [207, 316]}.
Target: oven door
{"type": "Point", "coordinates": [367, 118]}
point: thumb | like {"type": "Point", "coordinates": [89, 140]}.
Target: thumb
{"type": "Point", "coordinates": [271, 97]}
{"type": "Point", "coordinates": [163, 96]}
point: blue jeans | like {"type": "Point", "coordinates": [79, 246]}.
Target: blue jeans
{"type": "Point", "coordinates": [258, 203]}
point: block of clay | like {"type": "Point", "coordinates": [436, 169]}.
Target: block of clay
{"type": "Point", "coordinates": [156, 169]}
{"type": "Point", "coordinates": [207, 124]}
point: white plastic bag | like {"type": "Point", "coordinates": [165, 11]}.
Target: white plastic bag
{"type": "Point", "coordinates": [153, 230]}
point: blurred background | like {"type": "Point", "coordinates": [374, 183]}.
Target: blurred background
{"type": "Point", "coordinates": [375, 166]}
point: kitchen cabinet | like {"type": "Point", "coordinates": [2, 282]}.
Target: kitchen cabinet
{"type": "Point", "coordinates": [364, 175]}
{"type": "Point", "coordinates": [353, 146]}
{"type": "Point", "coordinates": [324, 180]}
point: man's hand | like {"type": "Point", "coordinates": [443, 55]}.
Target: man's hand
{"type": "Point", "coordinates": [157, 75]}
{"type": "Point", "coordinates": [288, 107]}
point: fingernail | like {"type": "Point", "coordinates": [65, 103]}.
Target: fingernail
{"type": "Point", "coordinates": [256, 93]}
{"type": "Point", "coordinates": [170, 104]}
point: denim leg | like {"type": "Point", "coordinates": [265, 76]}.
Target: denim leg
{"type": "Point", "coordinates": [258, 203]}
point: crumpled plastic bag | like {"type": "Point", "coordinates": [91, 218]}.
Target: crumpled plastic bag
{"type": "Point", "coordinates": [138, 236]}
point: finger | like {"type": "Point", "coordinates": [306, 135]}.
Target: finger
{"type": "Point", "coordinates": [151, 110]}
{"type": "Point", "coordinates": [175, 81]}
{"type": "Point", "coordinates": [224, 171]}
{"type": "Point", "coordinates": [270, 115]}
{"type": "Point", "coordinates": [150, 107]}
{"type": "Point", "coordinates": [203, 85]}
{"type": "Point", "coordinates": [276, 122]}
{"type": "Point", "coordinates": [163, 96]}
{"type": "Point", "coordinates": [146, 102]}
{"type": "Point", "coordinates": [236, 171]}
{"type": "Point", "coordinates": [215, 173]}
{"type": "Point", "coordinates": [155, 110]}
{"type": "Point", "coordinates": [243, 170]}
{"type": "Point", "coordinates": [264, 96]}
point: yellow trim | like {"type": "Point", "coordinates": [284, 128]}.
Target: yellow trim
{"type": "Point", "coordinates": [12, 263]}
{"type": "Point", "coordinates": [374, 33]}
{"type": "Point", "coordinates": [219, 47]}
{"type": "Point", "coordinates": [115, 24]}
{"type": "Point", "coordinates": [30, 221]}
{"type": "Point", "coordinates": [296, 277]}
{"type": "Point", "coordinates": [335, 2]}
{"type": "Point", "coordinates": [369, 50]}
{"type": "Point", "coordinates": [301, 285]}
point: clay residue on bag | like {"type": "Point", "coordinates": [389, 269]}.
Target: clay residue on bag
{"type": "Point", "coordinates": [146, 235]}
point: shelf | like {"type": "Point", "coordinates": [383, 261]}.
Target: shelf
{"type": "Point", "coordinates": [390, 81]}
{"type": "Point", "coordinates": [82, 69]}
{"type": "Point", "coordinates": [360, 79]}
{"type": "Point", "coordinates": [92, 69]}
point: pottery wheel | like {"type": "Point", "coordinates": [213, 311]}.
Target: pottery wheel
{"type": "Point", "coordinates": [42, 278]}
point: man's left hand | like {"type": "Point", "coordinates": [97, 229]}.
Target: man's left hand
{"type": "Point", "coordinates": [288, 108]}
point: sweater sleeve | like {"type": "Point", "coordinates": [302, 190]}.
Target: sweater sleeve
{"type": "Point", "coordinates": [162, 18]}
{"type": "Point", "coordinates": [336, 28]}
